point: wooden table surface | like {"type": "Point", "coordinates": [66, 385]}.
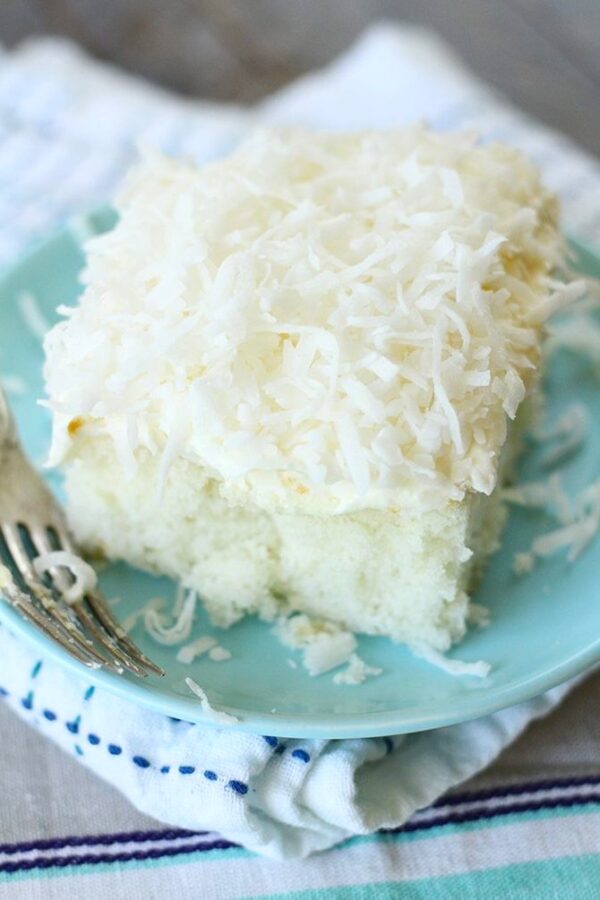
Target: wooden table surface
{"type": "Point", "coordinates": [543, 54]}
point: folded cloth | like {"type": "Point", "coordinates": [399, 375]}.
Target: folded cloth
{"type": "Point", "coordinates": [280, 797]}
{"type": "Point", "coordinates": [70, 130]}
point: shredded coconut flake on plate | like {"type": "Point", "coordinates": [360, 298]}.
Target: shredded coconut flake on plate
{"type": "Point", "coordinates": [457, 667]}
{"type": "Point", "coordinates": [85, 577]}
{"type": "Point", "coordinates": [578, 333]}
{"type": "Point", "coordinates": [131, 620]}
{"type": "Point", "coordinates": [219, 654]}
{"type": "Point", "coordinates": [157, 626]}
{"type": "Point", "coordinates": [578, 518]}
{"type": "Point", "coordinates": [217, 715]}
{"type": "Point", "coordinates": [190, 652]}
{"type": "Point", "coordinates": [203, 644]}
{"type": "Point", "coordinates": [33, 317]}
{"type": "Point", "coordinates": [568, 433]}
{"type": "Point", "coordinates": [548, 495]}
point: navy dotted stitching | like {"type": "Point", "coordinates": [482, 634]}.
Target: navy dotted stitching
{"type": "Point", "coordinates": [238, 786]}
{"type": "Point", "coordinates": [27, 701]}
{"type": "Point", "coordinates": [36, 669]}
{"type": "Point", "coordinates": [301, 754]}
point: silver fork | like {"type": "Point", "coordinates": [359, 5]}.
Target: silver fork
{"type": "Point", "coordinates": [32, 524]}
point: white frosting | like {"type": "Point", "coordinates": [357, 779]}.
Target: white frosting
{"type": "Point", "coordinates": [320, 321]}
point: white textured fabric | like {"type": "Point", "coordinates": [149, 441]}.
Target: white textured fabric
{"type": "Point", "coordinates": [69, 127]}
{"type": "Point", "coordinates": [283, 798]}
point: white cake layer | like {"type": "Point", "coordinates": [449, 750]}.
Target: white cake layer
{"type": "Point", "coordinates": [402, 572]}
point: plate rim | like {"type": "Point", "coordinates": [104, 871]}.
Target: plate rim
{"type": "Point", "coordinates": [299, 726]}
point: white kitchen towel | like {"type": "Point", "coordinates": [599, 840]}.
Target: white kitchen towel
{"type": "Point", "coordinates": [68, 128]}
{"type": "Point", "coordinates": [284, 798]}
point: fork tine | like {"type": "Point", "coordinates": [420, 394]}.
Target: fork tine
{"type": "Point", "coordinates": [100, 609]}
{"type": "Point", "coordinates": [24, 605]}
{"type": "Point", "coordinates": [52, 609]}
{"type": "Point", "coordinates": [97, 603]}
{"type": "Point", "coordinates": [62, 582]}
{"type": "Point", "coordinates": [27, 502]}
{"type": "Point", "coordinates": [83, 610]}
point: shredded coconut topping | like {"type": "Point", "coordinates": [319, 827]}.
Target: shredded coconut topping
{"type": "Point", "coordinates": [318, 318]}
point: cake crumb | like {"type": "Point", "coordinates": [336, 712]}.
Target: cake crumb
{"type": "Point", "coordinates": [478, 615]}
{"type": "Point", "coordinates": [523, 563]}
{"type": "Point", "coordinates": [325, 645]}
{"type": "Point", "coordinates": [356, 672]}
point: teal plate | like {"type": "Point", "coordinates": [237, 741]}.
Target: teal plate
{"type": "Point", "coordinates": [545, 626]}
